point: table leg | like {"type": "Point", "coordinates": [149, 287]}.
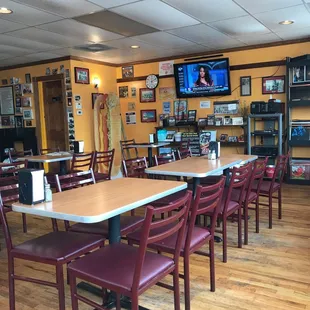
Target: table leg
{"type": "Point", "coordinates": [62, 167]}
{"type": "Point", "coordinates": [150, 156]}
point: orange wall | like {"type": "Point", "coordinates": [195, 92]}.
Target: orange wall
{"type": "Point", "coordinates": [141, 130]}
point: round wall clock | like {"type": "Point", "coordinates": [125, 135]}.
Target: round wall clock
{"type": "Point", "coordinates": [151, 81]}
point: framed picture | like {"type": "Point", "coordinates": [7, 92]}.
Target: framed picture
{"type": "Point", "coordinates": [232, 139]}
{"type": "Point", "coordinates": [133, 92]}
{"type": "Point", "coordinates": [171, 121]}
{"type": "Point", "coordinates": [147, 95]}
{"type": "Point", "coordinates": [202, 122]}
{"type": "Point", "coordinates": [19, 121]}
{"type": "Point", "coordinates": [93, 100]}
{"type": "Point", "coordinates": [223, 137]}
{"type": "Point", "coordinates": [127, 72]}
{"type": "Point", "coordinates": [227, 121]}
{"type": "Point", "coordinates": [27, 114]}
{"type": "Point", "coordinates": [26, 102]}
{"type": "Point", "coordinates": [81, 75]}
{"type": "Point", "coordinates": [28, 123]}
{"type": "Point", "coordinates": [245, 86]}
{"type": "Point", "coordinates": [180, 109]}
{"type": "Point", "coordinates": [4, 82]}
{"type": "Point", "coordinates": [273, 85]}
{"type": "Point", "coordinates": [191, 115]}
{"type": "Point", "coordinates": [123, 91]}
{"type": "Point", "coordinates": [299, 74]}
{"type": "Point", "coordinates": [6, 100]}
{"type": "Point", "coordinates": [148, 116]}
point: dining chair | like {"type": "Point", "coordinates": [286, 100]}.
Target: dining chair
{"type": "Point", "coordinates": [164, 159]}
{"type": "Point", "coordinates": [81, 162]}
{"type": "Point", "coordinates": [184, 153]}
{"type": "Point", "coordinates": [9, 176]}
{"type": "Point", "coordinates": [55, 249]}
{"type": "Point", "coordinates": [130, 270]}
{"type": "Point", "coordinates": [102, 165]}
{"type": "Point", "coordinates": [73, 180]}
{"type": "Point", "coordinates": [14, 155]}
{"type": "Point", "coordinates": [270, 187]}
{"type": "Point", "coordinates": [128, 151]}
{"type": "Point", "coordinates": [49, 150]}
{"type": "Point", "coordinates": [207, 201]}
{"type": "Point", "coordinates": [135, 168]}
{"type": "Point", "coordinates": [238, 181]}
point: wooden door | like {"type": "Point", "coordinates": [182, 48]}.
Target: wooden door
{"type": "Point", "coordinates": [54, 114]}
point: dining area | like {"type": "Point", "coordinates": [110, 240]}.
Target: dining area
{"type": "Point", "coordinates": [179, 228]}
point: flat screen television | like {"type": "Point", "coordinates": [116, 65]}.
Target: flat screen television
{"type": "Point", "coordinates": [203, 78]}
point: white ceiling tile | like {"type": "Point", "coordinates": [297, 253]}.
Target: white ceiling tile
{"type": "Point", "coordinates": [40, 56]}
{"type": "Point", "coordinates": [72, 28]}
{"type": "Point", "coordinates": [255, 6]}
{"type": "Point", "coordinates": [159, 15]}
{"type": "Point", "coordinates": [293, 33]}
{"type": "Point", "coordinates": [4, 56]}
{"type": "Point", "coordinates": [26, 44]}
{"type": "Point", "coordinates": [6, 25]}
{"type": "Point", "coordinates": [163, 39]}
{"type": "Point", "coordinates": [208, 10]}
{"type": "Point", "coordinates": [259, 38]}
{"type": "Point", "coordinates": [298, 14]}
{"type": "Point", "coordinates": [215, 43]}
{"type": "Point", "coordinates": [27, 15]}
{"type": "Point", "coordinates": [47, 37]}
{"type": "Point", "coordinates": [240, 26]}
{"type": "Point", "coordinates": [126, 43]}
{"type": "Point", "coordinates": [111, 3]}
{"type": "Point", "coordinates": [14, 51]}
{"type": "Point", "coordinates": [67, 8]}
{"type": "Point", "coordinates": [198, 33]}
{"type": "Point", "coordinates": [12, 61]}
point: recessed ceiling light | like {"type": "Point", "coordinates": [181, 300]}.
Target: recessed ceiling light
{"type": "Point", "coordinates": [135, 46]}
{"type": "Point", "coordinates": [5, 11]}
{"type": "Point", "coordinates": [286, 22]}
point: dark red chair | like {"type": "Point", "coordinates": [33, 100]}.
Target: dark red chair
{"type": "Point", "coordinates": [56, 249]}
{"type": "Point", "coordinates": [127, 149]}
{"type": "Point", "coordinates": [82, 161]}
{"type": "Point", "coordinates": [184, 153]}
{"type": "Point", "coordinates": [268, 188]}
{"type": "Point", "coordinates": [135, 168]}
{"type": "Point", "coordinates": [238, 181]}
{"type": "Point", "coordinates": [14, 155]}
{"type": "Point", "coordinates": [73, 180]}
{"type": "Point", "coordinates": [164, 159]}
{"type": "Point", "coordinates": [103, 161]}
{"type": "Point", "coordinates": [207, 201]}
{"type": "Point", "coordinates": [9, 176]}
{"type": "Point", "coordinates": [129, 270]}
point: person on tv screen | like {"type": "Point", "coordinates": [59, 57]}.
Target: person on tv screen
{"type": "Point", "coordinates": [204, 78]}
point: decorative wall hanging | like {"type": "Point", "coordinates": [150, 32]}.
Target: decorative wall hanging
{"type": "Point", "coordinates": [81, 75]}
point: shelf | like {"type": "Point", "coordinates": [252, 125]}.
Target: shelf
{"type": "Point", "coordinates": [299, 143]}
{"type": "Point", "coordinates": [273, 134]}
{"type": "Point", "coordinates": [299, 85]}
{"type": "Point", "coordinates": [221, 126]}
{"type": "Point", "coordinates": [298, 182]}
{"type": "Point", "coordinates": [300, 103]}
{"type": "Point", "coordinates": [232, 143]}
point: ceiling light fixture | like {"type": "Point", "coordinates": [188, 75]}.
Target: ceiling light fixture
{"type": "Point", "coordinates": [286, 22]}
{"type": "Point", "coordinates": [5, 11]}
{"type": "Point", "coordinates": [135, 46]}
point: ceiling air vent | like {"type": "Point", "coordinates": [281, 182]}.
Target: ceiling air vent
{"type": "Point", "coordinates": [94, 48]}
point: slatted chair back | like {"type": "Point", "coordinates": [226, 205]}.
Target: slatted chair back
{"type": "Point", "coordinates": [174, 223]}
{"type": "Point", "coordinates": [14, 155]}
{"type": "Point", "coordinates": [280, 170]}
{"type": "Point", "coordinates": [164, 159]}
{"type": "Point", "coordinates": [184, 153]}
{"type": "Point", "coordinates": [103, 162]}
{"type": "Point", "coordinates": [9, 172]}
{"type": "Point", "coordinates": [135, 168]}
{"type": "Point", "coordinates": [82, 161]}
{"type": "Point", "coordinates": [128, 151]}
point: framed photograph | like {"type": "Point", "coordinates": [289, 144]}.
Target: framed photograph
{"type": "Point", "coordinates": [6, 100]}
{"type": "Point", "coordinates": [227, 121]}
{"type": "Point", "coordinates": [26, 102]}
{"type": "Point", "coordinates": [147, 95]}
{"type": "Point", "coordinates": [191, 115]}
{"type": "Point", "coordinates": [127, 72]}
{"type": "Point", "coordinates": [245, 86]}
{"type": "Point", "coordinates": [4, 82]}
{"type": "Point", "coordinates": [93, 99]}
{"type": "Point", "coordinates": [299, 74]}
{"type": "Point", "coordinates": [28, 78]}
{"type": "Point", "coordinates": [81, 75]}
{"type": "Point", "coordinates": [232, 139]}
{"type": "Point", "coordinates": [28, 123]}
{"type": "Point", "coordinates": [273, 85]}
{"type": "Point", "coordinates": [224, 137]}
{"type": "Point", "coordinates": [28, 115]}
{"type": "Point", "coordinates": [171, 121]}
{"type": "Point", "coordinates": [202, 122]}
{"type": "Point", "coordinates": [133, 92]}
{"type": "Point", "coordinates": [148, 116]}
{"type": "Point", "coordinates": [123, 91]}
{"type": "Point", "coordinates": [69, 102]}
{"type": "Point", "coordinates": [19, 122]}
{"type": "Point", "coordinates": [180, 109]}
{"type": "Point", "coordinates": [18, 111]}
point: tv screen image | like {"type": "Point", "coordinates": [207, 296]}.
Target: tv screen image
{"type": "Point", "coordinates": [203, 78]}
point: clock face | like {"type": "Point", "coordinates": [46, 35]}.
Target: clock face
{"type": "Point", "coordinates": [151, 81]}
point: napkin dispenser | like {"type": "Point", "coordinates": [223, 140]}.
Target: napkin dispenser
{"type": "Point", "coordinates": [214, 146]}
{"type": "Point", "coordinates": [31, 186]}
{"type": "Point", "coordinates": [152, 137]}
{"type": "Point", "coordinates": [78, 147]}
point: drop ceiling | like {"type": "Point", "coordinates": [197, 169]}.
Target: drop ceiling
{"type": "Point", "coordinates": [41, 30]}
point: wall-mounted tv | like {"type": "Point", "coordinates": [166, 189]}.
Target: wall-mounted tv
{"type": "Point", "coordinates": [203, 78]}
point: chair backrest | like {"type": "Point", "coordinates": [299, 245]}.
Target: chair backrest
{"type": "Point", "coordinates": [49, 150]}
{"type": "Point", "coordinates": [238, 181]}
{"type": "Point", "coordinates": [164, 159]}
{"type": "Point", "coordinates": [128, 151]}
{"type": "Point", "coordinates": [13, 155]}
{"type": "Point", "coordinates": [103, 162]}
{"type": "Point", "coordinates": [280, 169]}
{"type": "Point", "coordinates": [207, 201]}
{"type": "Point", "coordinates": [184, 153]}
{"type": "Point", "coordinates": [173, 224]}
{"type": "Point", "coordinates": [82, 161]}
{"type": "Point", "coordinates": [72, 180]}
{"type": "Point", "coordinates": [135, 168]}
{"type": "Point", "coordinates": [9, 172]}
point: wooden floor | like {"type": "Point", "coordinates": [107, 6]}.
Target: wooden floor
{"type": "Point", "coordinates": [272, 272]}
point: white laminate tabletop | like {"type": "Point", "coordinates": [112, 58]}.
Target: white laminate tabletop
{"type": "Point", "coordinates": [147, 145]}
{"type": "Point", "coordinates": [101, 201]}
{"type": "Point", "coordinates": [48, 158]}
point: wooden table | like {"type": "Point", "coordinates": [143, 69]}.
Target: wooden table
{"type": "Point", "coordinates": [103, 201]}
{"type": "Point", "coordinates": [150, 147]}
{"type": "Point", "coordinates": [50, 158]}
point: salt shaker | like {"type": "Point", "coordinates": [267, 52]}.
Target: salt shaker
{"type": "Point", "coordinates": [48, 193]}
{"type": "Point", "coordinates": [213, 155]}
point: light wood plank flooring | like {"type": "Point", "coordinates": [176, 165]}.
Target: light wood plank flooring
{"type": "Point", "coordinates": [272, 272]}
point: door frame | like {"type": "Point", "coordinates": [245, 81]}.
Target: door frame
{"type": "Point", "coordinates": [49, 78]}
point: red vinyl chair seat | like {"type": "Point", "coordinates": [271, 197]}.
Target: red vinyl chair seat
{"type": "Point", "coordinates": [236, 194]}
{"type": "Point", "coordinates": [114, 267]}
{"type": "Point", "coordinates": [266, 186]}
{"type": "Point", "coordinates": [128, 224]}
{"type": "Point", "coordinates": [56, 247]}
{"type": "Point", "coordinates": [101, 176]}
{"type": "Point", "coordinates": [168, 199]}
